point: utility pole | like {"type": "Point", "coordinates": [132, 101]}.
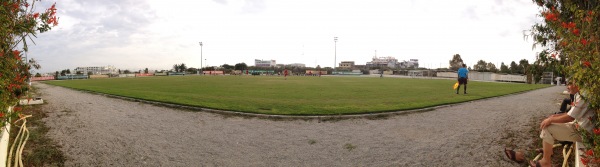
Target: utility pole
{"type": "Point", "coordinates": [201, 57]}
{"type": "Point", "coordinates": [335, 39]}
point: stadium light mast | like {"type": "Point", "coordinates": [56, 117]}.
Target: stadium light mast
{"type": "Point", "coordinates": [201, 57]}
{"type": "Point", "coordinates": [335, 39]}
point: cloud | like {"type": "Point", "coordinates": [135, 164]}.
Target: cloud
{"type": "Point", "coordinates": [244, 6]}
{"type": "Point", "coordinates": [223, 2]}
{"type": "Point", "coordinates": [505, 33]}
{"type": "Point", "coordinates": [112, 20]}
{"type": "Point", "coordinates": [253, 6]}
{"type": "Point", "coordinates": [91, 27]}
{"type": "Point", "coordinates": [471, 13]}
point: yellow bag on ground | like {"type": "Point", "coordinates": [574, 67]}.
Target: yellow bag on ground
{"type": "Point", "coordinates": [456, 85]}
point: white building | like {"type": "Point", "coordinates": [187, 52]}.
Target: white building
{"type": "Point", "coordinates": [392, 62]}
{"type": "Point", "coordinates": [264, 63]}
{"type": "Point", "coordinates": [412, 63]}
{"type": "Point", "coordinates": [389, 62]}
{"type": "Point", "coordinates": [96, 70]}
{"type": "Point", "coordinates": [300, 65]}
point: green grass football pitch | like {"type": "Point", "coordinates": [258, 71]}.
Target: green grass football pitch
{"type": "Point", "coordinates": [298, 95]}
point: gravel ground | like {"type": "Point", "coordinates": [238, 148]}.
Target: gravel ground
{"type": "Point", "coordinates": [95, 130]}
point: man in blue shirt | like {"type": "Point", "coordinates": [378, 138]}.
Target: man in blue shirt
{"type": "Point", "coordinates": [463, 76]}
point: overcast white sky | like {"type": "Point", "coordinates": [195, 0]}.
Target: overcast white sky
{"type": "Point", "coordinates": [155, 34]}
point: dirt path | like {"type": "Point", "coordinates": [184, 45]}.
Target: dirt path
{"type": "Point", "coordinates": [98, 131]}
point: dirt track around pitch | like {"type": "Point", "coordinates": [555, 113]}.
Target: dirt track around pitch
{"type": "Point", "coordinates": [95, 130]}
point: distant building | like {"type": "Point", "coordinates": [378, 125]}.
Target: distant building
{"type": "Point", "coordinates": [389, 62]}
{"type": "Point", "coordinates": [413, 63]}
{"type": "Point", "coordinates": [264, 63]}
{"type": "Point", "coordinates": [346, 65]}
{"type": "Point", "coordinates": [300, 65]}
{"type": "Point", "coordinates": [360, 66]}
{"type": "Point", "coordinates": [97, 70]}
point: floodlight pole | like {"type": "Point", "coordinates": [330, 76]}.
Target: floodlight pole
{"type": "Point", "coordinates": [335, 39]}
{"type": "Point", "coordinates": [201, 57]}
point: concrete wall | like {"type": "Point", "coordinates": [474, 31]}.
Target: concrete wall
{"type": "Point", "coordinates": [509, 78]}
{"type": "Point", "coordinates": [144, 75]}
{"type": "Point", "coordinates": [374, 72]}
{"type": "Point", "coordinates": [42, 78]}
{"type": "Point", "coordinates": [213, 72]}
{"type": "Point", "coordinates": [160, 74]}
{"type": "Point", "coordinates": [126, 75]}
{"type": "Point", "coordinates": [486, 76]}
{"type": "Point", "coordinates": [315, 72]}
{"type": "Point", "coordinates": [98, 76]}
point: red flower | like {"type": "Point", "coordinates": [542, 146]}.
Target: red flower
{"type": "Point", "coordinates": [588, 64]}
{"type": "Point", "coordinates": [554, 55]}
{"type": "Point", "coordinates": [564, 25]}
{"type": "Point", "coordinates": [550, 16]}
{"type": "Point", "coordinates": [36, 15]}
{"type": "Point", "coordinates": [576, 31]}
{"type": "Point", "coordinates": [590, 152]}
{"type": "Point", "coordinates": [584, 42]}
{"type": "Point", "coordinates": [17, 54]}
{"type": "Point", "coordinates": [571, 25]}
{"type": "Point", "coordinates": [52, 20]}
{"type": "Point", "coordinates": [584, 161]}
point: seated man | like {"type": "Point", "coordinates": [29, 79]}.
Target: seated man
{"type": "Point", "coordinates": [567, 101]}
{"type": "Point", "coordinates": [560, 127]}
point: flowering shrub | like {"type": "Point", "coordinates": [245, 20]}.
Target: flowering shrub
{"type": "Point", "coordinates": [570, 38]}
{"type": "Point", "coordinates": [19, 24]}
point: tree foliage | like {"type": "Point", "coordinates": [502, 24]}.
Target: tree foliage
{"type": "Point", "coordinates": [491, 67]}
{"type": "Point", "coordinates": [504, 68]}
{"type": "Point", "coordinates": [241, 66]}
{"type": "Point", "coordinates": [19, 24]}
{"type": "Point", "coordinates": [456, 62]}
{"type": "Point", "coordinates": [523, 66]}
{"type": "Point", "coordinates": [191, 70]}
{"type": "Point", "coordinates": [569, 37]}
{"type": "Point", "coordinates": [481, 66]}
{"type": "Point", "coordinates": [514, 68]}
{"type": "Point", "coordinates": [228, 67]}
{"type": "Point", "coordinates": [179, 67]}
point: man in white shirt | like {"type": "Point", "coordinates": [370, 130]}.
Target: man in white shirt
{"type": "Point", "coordinates": [561, 127]}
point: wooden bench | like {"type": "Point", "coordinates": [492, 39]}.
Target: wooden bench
{"type": "Point", "coordinates": [579, 151]}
